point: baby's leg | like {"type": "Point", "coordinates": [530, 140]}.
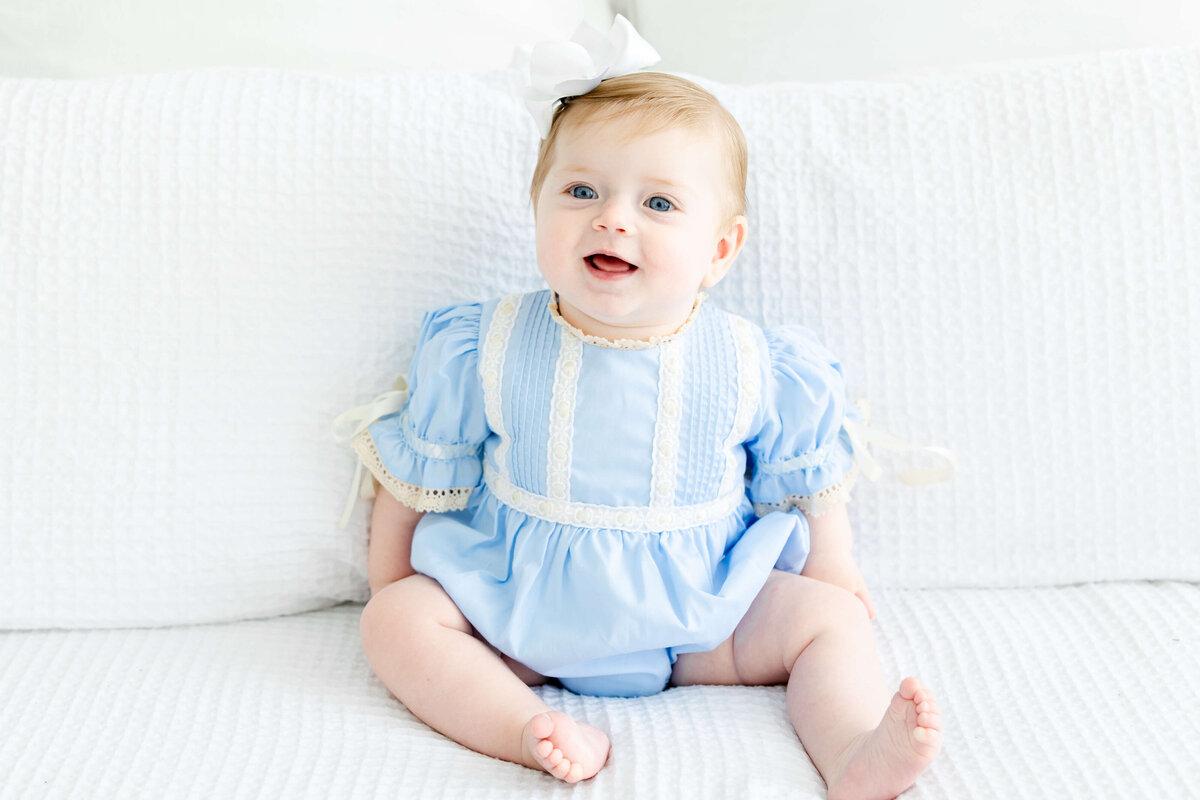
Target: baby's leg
{"type": "Point", "coordinates": [816, 637]}
{"type": "Point", "coordinates": [424, 650]}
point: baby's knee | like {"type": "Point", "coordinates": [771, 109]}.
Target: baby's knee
{"type": "Point", "coordinates": [400, 609]}
{"type": "Point", "coordinates": [840, 608]}
{"type": "Point", "coordinates": [827, 603]}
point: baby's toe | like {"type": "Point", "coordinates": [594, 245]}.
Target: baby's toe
{"type": "Point", "coordinates": [910, 687]}
{"type": "Point", "coordinates": [541, 726]}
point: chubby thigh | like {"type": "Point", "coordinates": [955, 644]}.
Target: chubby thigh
{"type": "Point", "coordinates": [787, 615]}
{"type": "Point", "coordinates": [409, 603]}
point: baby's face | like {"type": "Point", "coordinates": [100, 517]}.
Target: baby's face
{"type": "Point", "coordinates": [630, 226]}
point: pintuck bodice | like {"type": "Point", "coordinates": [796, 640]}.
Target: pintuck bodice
{"type": "Point", "coordinates": [633, 437]}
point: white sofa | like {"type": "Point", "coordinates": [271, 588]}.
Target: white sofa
{"type": "Point", "coordinates": [201, 269]}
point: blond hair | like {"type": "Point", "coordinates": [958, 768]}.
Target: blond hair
{"type": "Point", "coordinates": [657, 101]}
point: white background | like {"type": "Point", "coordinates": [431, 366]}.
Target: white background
{"type": "Point", "coordinates": [832, 39]}
{"type": "Point", "coordinates": [731, 40]}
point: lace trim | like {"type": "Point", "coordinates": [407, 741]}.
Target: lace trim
{"type": "Point", "coordinates": [416, 497]}
{"type": "Point", "coordinates": [749, 391]}
{"type": "Point", "coordinates": [562, 417]}
{"type": "Point", "coordinates": [666, 425]}
{"type": "Point", "coordinates": [635, 519]}
{"type": "Point", "coordinates": [491, 369]}
{"type": "Point", "coordinates": [809, 460]}
{"type": "Point", "coordinates": [441, 452]}
{"type": "Point", "coordinates": [814, 504]}
{"type": "Point", "coordinates": [624, 344]}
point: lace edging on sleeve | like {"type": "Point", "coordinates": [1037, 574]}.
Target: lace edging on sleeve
{"type": "Point", "coordinates": [415, 497]}
{"type": "Point", "coordinates": [814, 504]}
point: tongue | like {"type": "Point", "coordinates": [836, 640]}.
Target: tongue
{"type": "Point", "coordinates": [610, 263]}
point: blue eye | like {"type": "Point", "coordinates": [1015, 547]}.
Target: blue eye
{"type": "Point", "coordinates": [583, 192]}
{"type": "Point", "coordinates": [660, 204]}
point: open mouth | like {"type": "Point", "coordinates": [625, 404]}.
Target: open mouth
{"type": "Point", "coordinates": [609, 265]}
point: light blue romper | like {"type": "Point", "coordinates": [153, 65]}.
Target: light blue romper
{"type": "Point", "coordinates": [595, 516]}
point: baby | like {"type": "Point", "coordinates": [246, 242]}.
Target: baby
{"type": "Point", "coordinates": [565, 494]}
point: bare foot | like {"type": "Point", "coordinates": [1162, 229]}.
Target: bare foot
{"type": "Point", "coordinates": [884, 762]}
{"type": "Point", "coordinates": [570, 751]}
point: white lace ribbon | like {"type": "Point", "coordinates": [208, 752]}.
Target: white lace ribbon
{"type": "Point", "coordinates": [353, 422]}
{"type": "Point", "coordinates": [861, 436]}
{"type": "Point", "coordinates": [575, 67]}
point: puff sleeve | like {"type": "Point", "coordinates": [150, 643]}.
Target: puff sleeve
{"type": "Point", "coordinates": [801, 456]}
{"type": "Point", "coordinates": [429, 454]}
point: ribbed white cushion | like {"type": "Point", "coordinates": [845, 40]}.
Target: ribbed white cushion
{"type": "Point", "coordinates": [201, 269]}
{"type": "Point", "coordinates": [1087, 691]}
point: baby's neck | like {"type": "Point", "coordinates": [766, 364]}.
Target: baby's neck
{"type": "Point", "coordinates": [616, 333]}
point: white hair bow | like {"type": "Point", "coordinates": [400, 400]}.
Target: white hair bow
{"type": "Point", "coordinates": [569, 69]}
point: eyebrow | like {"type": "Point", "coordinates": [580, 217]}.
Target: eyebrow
{"type": "Point", "coordinates": [576, 169]}
{"type": "Point", "coordinates": [669, 184]}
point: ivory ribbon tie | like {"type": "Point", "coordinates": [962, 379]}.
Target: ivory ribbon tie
{"type": "Point", "coordinates": [861, 436]}
{"type": "Point", "coordinates": [350, 424]}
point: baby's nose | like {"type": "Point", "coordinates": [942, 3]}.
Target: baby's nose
{"type": "Point", "coordinates": [614, 217]}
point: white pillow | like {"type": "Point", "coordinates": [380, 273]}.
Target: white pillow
{"type": "Point", "coordinates": [202, 269]}
{"type": "Point", "coordinates": [1006, 259]}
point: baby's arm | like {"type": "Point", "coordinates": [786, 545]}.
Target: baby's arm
{"type": "Point", "coordinates": [389, 548]}
{"type": "Point", "coordinates": [829, 556]}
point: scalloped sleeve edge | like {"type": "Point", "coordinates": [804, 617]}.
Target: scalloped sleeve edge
{"type": "Point", "coordinates": [415, 497]}
{"type": "Point", "coordinates": [815, 504]}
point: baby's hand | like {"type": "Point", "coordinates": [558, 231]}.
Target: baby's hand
{"type": "Point", "coordinates": [839, 568]}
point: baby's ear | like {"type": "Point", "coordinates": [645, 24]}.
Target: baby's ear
{"type": "Point", "coordinates": [728, 247]}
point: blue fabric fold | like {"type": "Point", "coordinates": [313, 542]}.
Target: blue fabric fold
{"type": "Point", "coordinates": [436, 440]}
{"type": "Point", "coordinates": [801, 447]}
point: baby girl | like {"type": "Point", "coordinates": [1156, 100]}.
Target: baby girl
{"type": "Point", "coordinates": [613, 484]}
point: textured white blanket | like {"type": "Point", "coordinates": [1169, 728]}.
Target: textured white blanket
{"type": "Point", "coordinates": [1082, 692]}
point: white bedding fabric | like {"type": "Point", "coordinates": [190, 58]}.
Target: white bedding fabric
{"type": "Point", "coordinates": [1089, 691]}
{"type": "Point", "coordinates": [201, 269]}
